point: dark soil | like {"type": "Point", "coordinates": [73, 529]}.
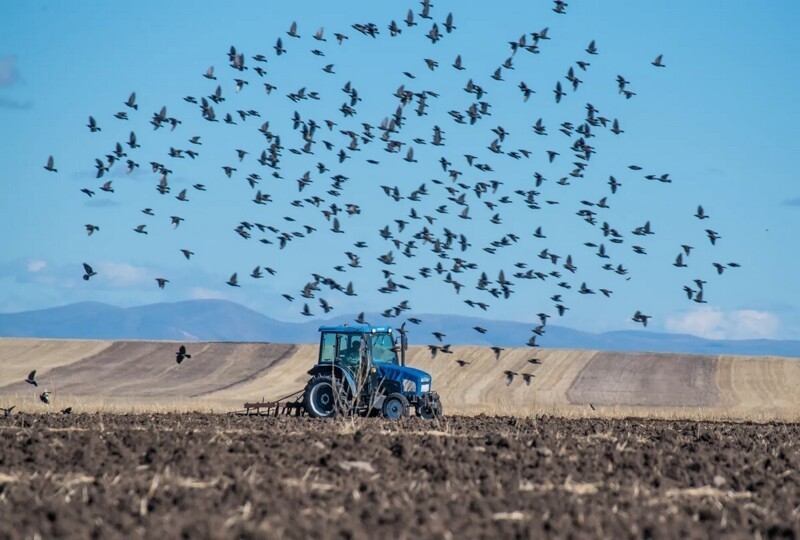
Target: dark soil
{"type": "Point", "coordinates": [217, 476]}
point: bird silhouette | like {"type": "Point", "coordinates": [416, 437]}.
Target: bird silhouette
{"type": "Point", "coordinates": [44, 397]}
{"type": "Point", "coordinates": [181, 355]}
{"type": "Point", "coordinates": [32, 378]}
{"type": "Point", "coordinates": [50, 166]}
{"type": "Point", "coordinates": [640, 318]}
{"type": "Point", "coordinates": [88, 272]}
{"type": "Point", "coordinates": [510, 376]}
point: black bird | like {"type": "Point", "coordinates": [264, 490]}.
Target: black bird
{"type": "Point", "coordinates": [44, 397]}
{"type": "Point", "coordinates": [132, 101]}
{"type": "Point", "coordinates": [181, 355]}
{"type": "Point", "coordinates": [68, 410]}
{"type": "Point", "coordinates": [50, 165]}
{"type": "Point", "coordinates": [497, 350]}
{"type": "Point", "coordinates": [658, 61]}
{"type": "Point", "coordinates": [233, 281]}
{"type": "Point", "coordinates": [462, 363]}
{"type": "Point", "coordinates": [32, 378]}
{"type": "Point", "coordinates": [640, 317]}
{"type": "Point", "coordinates": [8, 410]}
{"type": "Point", "coordinates": [92, 125]}
{"type": "Point", "coordinates": [88, 272]}
{"type": "Point", "coordinates": [161, 282]}
{"type": "Point", "coordinates": [510, 376]}
{"type": "Point", "coordinates": [713, 236]}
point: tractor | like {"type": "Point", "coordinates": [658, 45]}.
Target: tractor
{"type": "Point", "coordinates": [359, 372]}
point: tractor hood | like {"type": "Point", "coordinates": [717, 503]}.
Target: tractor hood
{"type": "Point", "coordinates": [412, 380]}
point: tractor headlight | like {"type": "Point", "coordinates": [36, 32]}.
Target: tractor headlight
{"type": "Point", "coordinates": [425, 388]}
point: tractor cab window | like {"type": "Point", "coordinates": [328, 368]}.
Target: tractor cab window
{"type": "Point", "coordinates": [349, 348]}
{"type": "Point", "coordinates": [327, 350]}
{"type": "Point", "coordinates": [383, 349]}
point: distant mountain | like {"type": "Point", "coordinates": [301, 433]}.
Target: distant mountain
{"type": "Point", "coordinates": [220, 320]}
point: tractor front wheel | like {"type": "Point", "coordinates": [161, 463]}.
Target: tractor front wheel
{"type": "Point", "coordinates": [322, 397]}
{"type": "Point", "coordinates": [430, 409]}
{"type": "Point", "coordinates": [395, 406]}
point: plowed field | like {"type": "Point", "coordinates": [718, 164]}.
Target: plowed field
{"type": "Point", "coordinates": [226, 476]}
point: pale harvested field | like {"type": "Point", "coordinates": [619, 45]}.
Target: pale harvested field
{"type": "Point", "coordinates": [143, 376]}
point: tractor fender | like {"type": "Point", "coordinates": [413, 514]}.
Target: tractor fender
{"type": "Point", "coordinates": [338, 372]}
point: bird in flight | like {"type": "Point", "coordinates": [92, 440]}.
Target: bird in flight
{"type": "Point", "coordinates": [32, 378]}
{"type": "Point", "coordinates": [88, 272]}
{"type": "Point", "coordinates": [50, 165]}
{"type": "Point", "coordinates": [44, 397]}
{"type": "Point", "coordinates": [181, 355]}
{"type": "Point", "coordinates": [510, 376]}
{"type": "Point", "coordinates": [640, 318]}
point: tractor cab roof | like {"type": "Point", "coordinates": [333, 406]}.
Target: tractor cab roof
{"type": "Point", "coordinates": [357, 329]}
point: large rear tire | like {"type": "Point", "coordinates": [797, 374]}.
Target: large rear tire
{"type": "Point", "coordinates": [323, 397]}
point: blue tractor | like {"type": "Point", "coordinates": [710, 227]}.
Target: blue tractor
{"type": "Point", "coordinates": [359, 372]}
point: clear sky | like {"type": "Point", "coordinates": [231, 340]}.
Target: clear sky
{"type": "Point", "coordinates": [720, 119]}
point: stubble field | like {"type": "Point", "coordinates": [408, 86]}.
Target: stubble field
{"type": "Point", "coordinates": [224, 476]}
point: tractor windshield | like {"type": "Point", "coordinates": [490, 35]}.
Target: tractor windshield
{"type": "Point", "coordinates": [383, 349]}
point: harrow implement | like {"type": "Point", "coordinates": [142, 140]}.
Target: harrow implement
{"type": "Point", "coordinates": [291, 405]}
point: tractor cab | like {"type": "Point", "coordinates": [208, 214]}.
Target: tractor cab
{"type": "Point", "coordinates": [361, 370]}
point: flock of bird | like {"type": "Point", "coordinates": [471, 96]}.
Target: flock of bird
{"type": "Point", "coordinates": [44, 397]}
{"type": "Point", "coordinates": [436, 232]}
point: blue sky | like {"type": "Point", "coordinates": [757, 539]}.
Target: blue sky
{"type": "Point", "coordinates": [719, 119]}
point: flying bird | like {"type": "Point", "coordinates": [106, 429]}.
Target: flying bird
{"type": "Point", "coordinates": [181, 355]}
{"type": "Point", "coordinates": [88, 272]}
{"type": "Point", "coordinates": [50, 165]}
{"type": "Point", "coordinates": [640, 318]}
{"type": "Point", "coordinates": [32, 378]}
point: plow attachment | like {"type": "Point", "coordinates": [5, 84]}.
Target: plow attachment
{"type": "Point", "coordinates": [291, 405]}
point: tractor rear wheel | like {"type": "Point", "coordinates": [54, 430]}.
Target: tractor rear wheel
{"type": "Point", "coordinates": [395, 406]}
{"type": "Point", "coordinates": [323, 397]}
